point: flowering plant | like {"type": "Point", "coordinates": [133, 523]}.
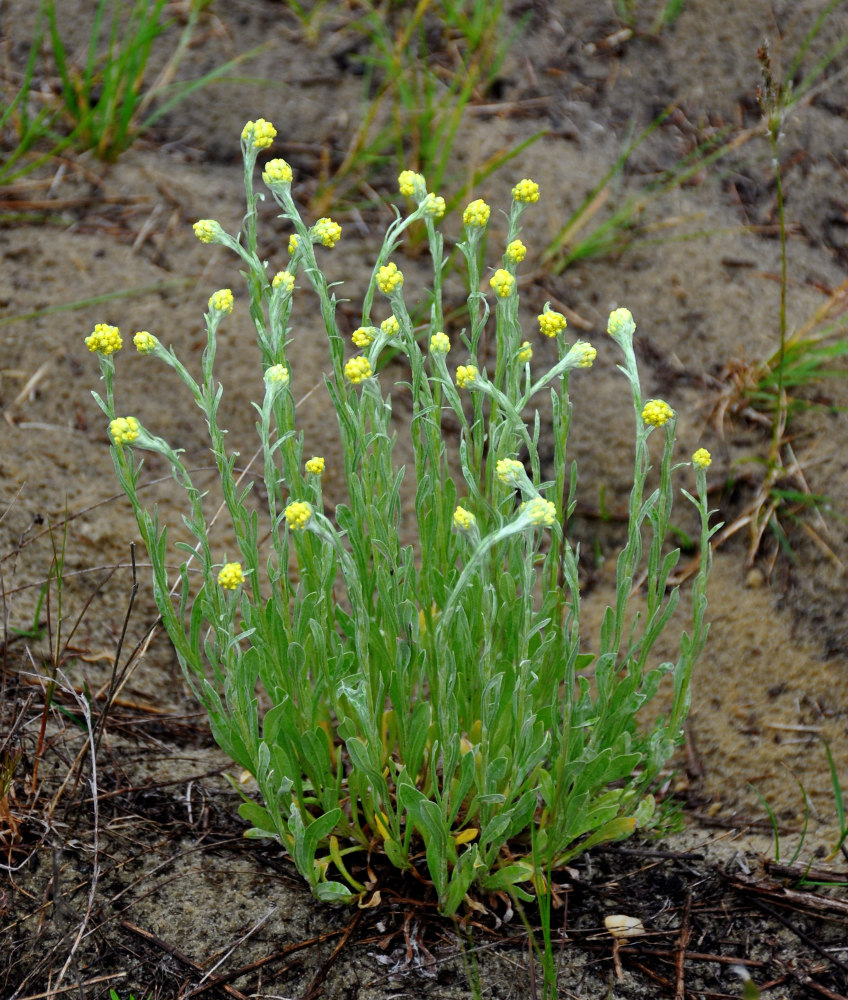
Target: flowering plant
{"type": "Point", "coordinates": [432, 701]}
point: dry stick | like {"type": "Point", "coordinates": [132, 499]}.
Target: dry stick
{"type": "Point", "coordinates": [799, 933]}
{"type": "Point", "coordinates": [699, 956]}
{"type": "Point", "coordinates": [113, 680]}
{"type": "Point", "coordinates": [178, 955]}
{"type": "Point", "coordinates": [54, 991]}
{"type": "Point", "coordinates": [245, 969]}
{"type": "Point", "coordinates": [800, 872]}
{"type": "Point", "coordinates": [315, 986]}
{"type": "Point", "coordinates": [153, 785]}
{"type": "Point", "coordinates": [243, 938]}
{"type": "Point", "coordinates": [811, 984]}
{"type": "Point", "coordinates": [95, 866]}
{"type": "Point", "coordinates": [811, 902]}
{"type": "Point", "coordinates": [680, 950]}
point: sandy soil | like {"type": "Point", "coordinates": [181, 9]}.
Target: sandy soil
{"type": "Point", "coordinates": [114, 244]}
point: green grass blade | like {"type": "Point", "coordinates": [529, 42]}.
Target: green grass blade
{"type": "Point", "coordinates": [127, 293]}
{"type": "Point", "coordinates": [809, 38]}
{"type": "Point", "coordinates": [772, 820]}
{"type": "Point", "coordinates": [69, 94]}
{"type": "Point", "coordinates": [837, 798]}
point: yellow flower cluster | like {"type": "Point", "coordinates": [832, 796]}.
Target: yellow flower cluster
{"type": "Point", "coordinates": [363, 336]}
{"type": "Point", "coordinates": [277, 374]}
{"type": "Point", "coordinates": [540, 511]}
{"type": "Point", "coordinates": [525, 352]}
{"type": "Point", "coordinates": [206, 230]}
{"type": "Point", "coordinates": [277, 172]}
{"type": "Point", "coordinates": [298, 514]}
{"type": "Point", "coordinates": [315, 465]}
{"type": "Point", "coordinates": [657, 412]}
{"type": "Point", "coordinates": [231, 576]}
{"type": "Point", "coordinates": [510, 471]}
{"type": "Point", "coordinates": [502, 282]}
{"type": "Point", "coordinates": [466, 375]}
{"type": "Point", "coordinates": [516, 252]}
{"type": "Point", "coordinates": [440, 343]}
{"type": "Point", "coordinates": [104, 339]}
{"type": "Point", "coordinates": [551, 323]}
{"type": "Point", "coordinates": [702, 459]}
{"type": "Point", "coordinates": [284, 278]}
{"type": "Point", "coordinates": [617, 320]}
{"type": "Point", "coordinates": [124, 430]}
{"type": "Point", "coordinates": [260, 133]}
{"type": "Point", "coordinates": [293, 241]}
{"type": "Point", "coordinates": [327, 232]}
{"type": "Point", "coordinates": [390, 326]}
{"type": "Point", "coordinates": [407, 180]}
{"type": "Point", "coordinates": [463, 520]}
{"type": "Point", "coordinates": [476, 214]}
{"type": "Point", "coordinates": [526, 191]}
{"type": "Point", "coordinates": [589, 355]}
{"type": "Point", "coordinates": [434, 206]}
{"type": "Point", "coordinates": [222, 301]}
{"type": "Point", "coordinates": [145, 343]}
{"type": "Point", "coordinates": [389, 278]}
{"type": "Point", "coordinates": [357, 370]}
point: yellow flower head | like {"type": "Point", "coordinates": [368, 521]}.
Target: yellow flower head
{"type": "Point", "coordinates": [363, 336]}
{"type": "Point", "coordinates": [466, 376]}
{"type": "Point", "coordinates": [526, 191]}
{"type": "Point", "coordinates": [260, 134]}
{"type": "Point", "coordinates": [434, 206]}
{"type": "Point", "coordinates": [124, 430]}
{"type": "Point", "coordinates": [702, 459]}
{"type": "Point", "coordinates": [293, 241]}
{"type": "Point", "coordinates": [510, 471]}
{"type": "Point", "coordinates": [326, 232]}
{"type": "Point", "coordinates": [277, 172]}
{"type": "Point", "coordinates": [540, 511]}
{"type": "Point", "coordinates": [104, 339]}
{"type": "Point", "coordinates": [284, 279]}
{"type": "Point", "coordinates": [277, 375]}
{"type": "Point", "coordinates": [463, 520]}
{"type": "Point", "coordinates": [440, 343]}
{"type": "Point", "coordinates": [516, 252]}
{"type": "Point", "coordinates": [525, 352]}
{"type": "Point", "coordinates": [476, 214]}
{"type": "Point", "coordinates": [357, 370]}
{"type": "Point", "coordinates": [502, 282]}
{"type": "Point", "coordinates": [390, 326]}
{"type": "Point", "coordinates": [589, 355]}
{"type": "Point", "coordinates": [389, 278]}
{"type": "Point", "coordinates": [657, 412]}
{"type": "Point", "coordinates": [222, 301]}
{"type": "Point", "coordinates": [618, 320]}
{"type": "Point", "coordinates": [206, 230]}
{"type": "Point", "coordinates": [551, 323]}
{"type": "Point", "coordinates": [145, 343]}
{"type": "Point", "coordinates": [407, 181]}
{"type": "Point", "coordinates": [231, 576]}
{"type": "Point", "coordinates": [298, 514]}
{"type": "Point", "coordinates": [315, 465]}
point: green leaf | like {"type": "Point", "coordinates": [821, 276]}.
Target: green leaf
{"type": "Point", "coordinates": [334, 892]}
{"type": "Point", "coordinates": [308, 838]}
